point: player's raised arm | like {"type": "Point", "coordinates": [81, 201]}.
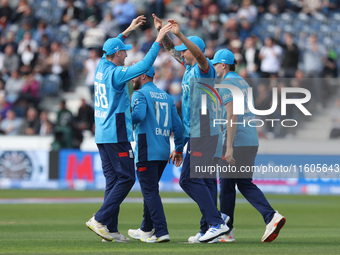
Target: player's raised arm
{"type": "Point", "coordinates": [136, 23]}
{"type": "Point", "coordinates": [167, 42]}
{"type": "Point", "coordinates": [193, 48]}
{"type": "Point", "coordinates": [125, 74]}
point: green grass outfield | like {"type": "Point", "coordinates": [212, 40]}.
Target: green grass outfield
{"type": "Point", "coordinates": [313, 227]}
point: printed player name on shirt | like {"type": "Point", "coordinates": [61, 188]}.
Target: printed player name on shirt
{"type": "Point", "coordinates": [100, 114]}
{"type": "Point", "coordinates": [163, 132]}
{"type": "Point", "coordinates": [158, 95]}
{"type": "Point", "coordinates": [99, 76]}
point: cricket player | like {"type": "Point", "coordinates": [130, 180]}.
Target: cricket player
{"type": "Point", "coordinates": [202, 191]}
{"type": "Point", "coordinates": [155, 117]}
{"type": "Point", "coordinates": [241, 149]}
{"type": "Point", "coordinates": [113, 124]}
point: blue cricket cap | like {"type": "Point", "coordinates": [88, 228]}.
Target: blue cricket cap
{"type": "Point", "coordinates": [196, 40]}
{"type": "Point", "coordinates": [113, 45]}
{"type": "Point", "coordinates": [223, 56]}
{"type": "Point", "coordinates": [150, 72]}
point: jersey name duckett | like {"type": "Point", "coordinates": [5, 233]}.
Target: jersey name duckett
{"type": "Point", "coordinates": [158, 95]}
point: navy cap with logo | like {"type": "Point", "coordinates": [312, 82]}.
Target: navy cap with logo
{"type": "Point", "coordinates": [196, 40]}
{"type": "Point", "coordinates": [113, 45]}
{"type": "Point", "coordinates": [223, 56]}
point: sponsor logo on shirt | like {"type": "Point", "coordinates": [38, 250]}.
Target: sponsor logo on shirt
{"type": "Point", "coordinates": [227, 96]}
{"type": "Point", "coordinates": [185, 87]}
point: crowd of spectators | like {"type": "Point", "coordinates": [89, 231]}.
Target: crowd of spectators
{"type": "Point", "coordinates": [46, 45]}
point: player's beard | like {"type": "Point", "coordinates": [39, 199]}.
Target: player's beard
{"type": "Point", "coordinates": [137, 84]}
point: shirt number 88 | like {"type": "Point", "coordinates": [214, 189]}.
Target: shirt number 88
{"type": "Point", "coordinates": [100, 95]}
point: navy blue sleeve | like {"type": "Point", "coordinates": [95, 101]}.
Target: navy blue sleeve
{"type": "Point", "coordinates": [177, 128]}
{"type": "Point", "coordinates": [124, 74]}
{"type": "Point", "coordinates": [138, 105]}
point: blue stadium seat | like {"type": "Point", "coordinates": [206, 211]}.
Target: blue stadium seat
{"type": "Point", "coordinates": [315, 25]}
{"type": "Point", "coordinates": [319, 17]}
{"type": "Point", "coordinates": [334, 26]}
{"type": "Point", "coordinates": [50, 85]}
{"type": "Point", "coordinates": [269, 18]}
{"type": "Point", "coordinates": [61, 34]}
{"type": "Point", "coordinates": [77, 58]}
{"type": "Point", "coordinates": [288, 29]}
{"type": "Point", "coordinates": [336, 38]}
{"type": "Point", "coordinates": [325, 29]}
{"type": "Point", "coordinates": [327, 41]}
{"type": "Point", "coordinates": [46, 4]}
{"type": "Point", "coordinates": [36, 4]}
{"type": "Point", "coordinates": [303, 17]}
{"type": "Point", "coordinates": [336, 17]}
{"type": "Point", "coordinates": [286, 18]}
{"type": "Point", "coordinates": [307, 29]}
{"type": "Point", "coordinates": [79, 4]}
{"type": "Point", "coordinates": [337, 49]}
{"type": "Point", "coordinates": [43, 13]}
{"type": "Point", "coordinates": [56, 15]}
{"type": "Point", "coordinates": [298, 25]}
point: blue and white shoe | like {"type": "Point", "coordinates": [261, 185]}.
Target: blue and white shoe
{"type": "Point", "coordinates": [195, 238]}
{"type": "Point", "coordinates": [225, 218]}
{"type": "Point", "coordinates": [214, 232]}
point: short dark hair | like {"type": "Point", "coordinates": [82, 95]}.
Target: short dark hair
{"type": "Point", "coordinates": [233, 66]}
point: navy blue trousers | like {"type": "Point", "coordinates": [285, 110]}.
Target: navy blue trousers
{"type": "Point", "coordinates": [244, 156]}
{"type": "Point", "coordinates": [119, 171]}
{"type": "Point", "coordinates": [149, 173]}
{"type": "Point", "coordinates": [202, 190]}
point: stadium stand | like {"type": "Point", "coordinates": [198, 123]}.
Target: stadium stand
{"type": "Point", "coordinates": [221, 21]}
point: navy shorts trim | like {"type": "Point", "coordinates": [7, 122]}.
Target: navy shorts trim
{"type": "Point", "coordinates": [121, 128]}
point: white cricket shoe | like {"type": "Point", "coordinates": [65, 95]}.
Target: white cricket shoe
{"type": "Point", "coordinates": [214, 232]}
{"type": "Point", "coordinates": [100, 229]}
{"type": "Point", "coordinates": [195, 239]}
{"type": "Point", "coordinates": [227, 238]}
{"type": "Point", "coordinates": [117, 237]}
{"type": "Point", "coordinates": [138, 234]}
{"type": "Point", "coordinates": [154, 239]}
{"type": "Point", "coordinates": [273, 228]}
